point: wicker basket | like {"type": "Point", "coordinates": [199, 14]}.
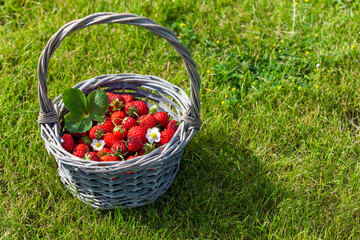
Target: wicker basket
{"type": "Point", "coordinates": [107, 185]}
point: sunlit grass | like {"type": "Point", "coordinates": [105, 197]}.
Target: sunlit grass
{"type": "Point", "coordinates": [276, 157]}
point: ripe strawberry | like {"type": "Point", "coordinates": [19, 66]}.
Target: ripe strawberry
{"type": "Point", "coordinates": [116, 102]}
{"type": "Point", "coordinates": [108, 158]}
{"type": "Point", "coordinates": [162, 119]}
{"type": "Point", "coordinates": [136, 108]}
{"type": "Point", "coordinates": [128, 98]}
{"type": "Point", "coordinates": [110, 94]}
{"type": "Point", "coordinates": [80, 150]}
{"type": "Point", "coordinates": [78, 135]}
{"type": "Point", "coordinates": [165, 136]}
{"type": "Point", "coordinates": [120, 132]}
{"type": "Point", "coordinates": [134, 144]}
{"type": "Point", "coordinates": [118, 117]}
{"type": "Point", "coordinates": [68, 142]}
{"type": "Point", "coordinates": [92, 156]}
{"type": "Point", "coordinates": [129, 122]}
{"type": "Point", "coordinates": [173, 125]}
{"type": "Point", "coordinates": [147, 121]}
{"type": "Point", "coordinates": [85, 140]}
{"type": "Point", "coordinates": [104, 151]}
{"type": "Point", "coordinates": [96, 132]}
{"type": "Point", "coordinates": [130, 157]}
{"type": "Point", "coordinates": [110, 139]}
{"type": "Point", "coordinates": [141, 152]}
{"type": "Point", "coordinates": [108, 125]}
{"type": "Point", "coordinates": [119, 148]}
{"type": "Point", "coordinates": [139, 132]}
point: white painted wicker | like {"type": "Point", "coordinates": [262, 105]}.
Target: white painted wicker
{"type": "Point", "coordinates": [107, 185]}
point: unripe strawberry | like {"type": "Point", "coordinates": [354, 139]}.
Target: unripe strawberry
{"type": "Point", "coordinates": [165, 136]}
{"type": "Point", "coordinates": [96, 132]}
{"type": "Point", "coordinates": [129, 122]}
{"type": "Point", "coordinates": [110, 139]}
{"type": "Point", "coordinates": [80, 150]}
{"type": "Point", "coordinates": [136, 108]}
{"type": "Point", "coordinates": [162, 118]}
{"type": "Point", "coordinates": [118, 117]}
{"type": "Point", "coordinates": [68, 142]}
{"type": "Point", "coordinates": [120, 132]}
{"type": "Point", "coordinates": [139, 132]}
{"type": "Point", "coordinates": [147, 121]}
{"type": "Point", "coordinates": [92, 156]}
{"type": "Point", "coordinates": [135, 144]}
{"type": "Point", "coordinates": [173, 125]}
{"type": "Point", "coordinates": [128, 98]}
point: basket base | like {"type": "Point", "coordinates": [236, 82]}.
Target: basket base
{"type": "Point", "coordinates": [125, 190]}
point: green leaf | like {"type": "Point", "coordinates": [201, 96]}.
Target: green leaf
{"type": "Point", "coordinates": [97, 104]}
{"type": "Point", "coordinates": [77, 123]}
{"type": "Point", "coordinates": [74, 100]}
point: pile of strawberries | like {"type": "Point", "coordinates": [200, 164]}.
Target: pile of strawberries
{"type": "Point", "coordinates": [129, 129]}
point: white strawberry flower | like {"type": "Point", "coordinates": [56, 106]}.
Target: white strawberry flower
{"type": "Point", "coordinates": [153, 135]}
{"type": "Point", "coordinates": [97, 145]}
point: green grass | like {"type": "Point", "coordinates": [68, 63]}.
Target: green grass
{"type": "Point", "coordinates": [278, 158]}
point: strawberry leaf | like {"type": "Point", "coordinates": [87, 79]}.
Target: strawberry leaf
{"type": "Point", "coordinates": [77, 123]}
{"type": "Point", "coordinates": [74, 100]}
{"type": "Point", "coordinates": [97, 105]}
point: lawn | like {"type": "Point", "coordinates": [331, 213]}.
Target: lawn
{"type": "Point", "coordinates": [277, 156]}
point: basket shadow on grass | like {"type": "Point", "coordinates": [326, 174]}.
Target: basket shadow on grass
{"type": "Point", "coordinates": [221, 186]}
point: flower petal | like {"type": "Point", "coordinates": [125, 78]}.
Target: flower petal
{"type": "Point", "coordinates": [157, 139]}
{"type": "Point", "coordinates": [151, 140]}
{"type": "Point", "coordinates": [102, 142]}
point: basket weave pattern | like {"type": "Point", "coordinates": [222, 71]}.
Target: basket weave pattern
{"type": "Point", "coordinates": [143, 179]}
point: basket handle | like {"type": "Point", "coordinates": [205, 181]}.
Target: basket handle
{"type": "Point", "coordinates": [48, 114]}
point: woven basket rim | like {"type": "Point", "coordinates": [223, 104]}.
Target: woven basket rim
{"type": "Point", "coordinates": [92, 166]}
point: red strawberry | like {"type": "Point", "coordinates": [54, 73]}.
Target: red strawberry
{"type": "Point", "coordinates": [92, 156]}
{"type": "Point", "coordinates": [104, 151]}
{"type": "Point", "coordinates": [118, 117]}
{"type": "Point", "coordinates": [110, 94]}
{"type": "Point", "coordinates": [147, 121]}
{"type": "Point", "coordinates": [85, 140]}
{"type": "Point", "coordinates": [119, 148]}
{"type": "Point", "coordinates": [129, 122]}
{"type": "Point", "coordinates": [110, 139]}
{"type": "Point", "coordinates": [120, 132]}
{"type": "Point", "coordinates": [68, 142]}
{"type": "Point", "coordinates": [134, 144]}
{"type": "Point", "coordinates": [116, 102]}
{"type": "Point", "coordinates": [130, 157]}
{"type": "Point", "coordinates": [108, 125]}
{"type": "Point", "coordinates": [108, 158]}
{"type": "Point", "coordinates": [162, 119]}
{"type": "Point", "coordinates": [77, 135]}
{"type": "Point", "coordinates": [139, 132]}
{"type": "Point", "coordinates": [173, 125]}
{"type": "Point", "coordinates": [96, 132]}
{"type": "Point", "coordinates": [136, 108]}
{"type": "Point", "coordinates": [80, 150]}
{"type": "Point", "coordinates": [128, 98]}
{"type": "Point", "coordinates": [165, 136]}
{"type": "Point", "coordinates": [141, 152]}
